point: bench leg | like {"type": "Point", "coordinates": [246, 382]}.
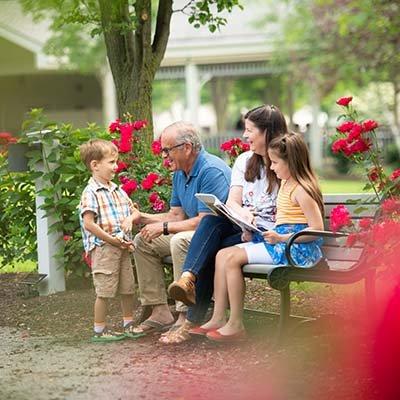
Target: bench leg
{"type": "Point", "coordinates": [370, 294]}
{"type": "Point", "coordinates": [284, 312]}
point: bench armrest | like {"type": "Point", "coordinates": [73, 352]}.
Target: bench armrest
{"type": "Point", "coordinates": [296, 235]}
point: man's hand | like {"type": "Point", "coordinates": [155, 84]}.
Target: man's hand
{"type": "Point", "coordinates": [152, 231]}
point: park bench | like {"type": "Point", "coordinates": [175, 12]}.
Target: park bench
{"type": "Point", "coordinates": [30, 282]}
{"type": "Point", "coordinates": [340, 265]}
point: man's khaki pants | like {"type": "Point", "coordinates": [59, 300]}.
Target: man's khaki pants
{"type": "Point", "coordinates": [149, 265]}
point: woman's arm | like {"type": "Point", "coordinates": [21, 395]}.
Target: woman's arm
{"type": "Point", "coordinates": [235, 203]}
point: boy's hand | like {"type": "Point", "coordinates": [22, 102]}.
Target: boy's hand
{"type": "Point", "coordinates": [128, 222]}
{"type": "Point", "coordinates": [123, 244]}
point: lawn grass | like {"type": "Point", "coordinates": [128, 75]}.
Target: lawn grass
{"type": "Point", "coordinates": [19, 266]}
{"type": "Point", "coordinates": [341, 186]}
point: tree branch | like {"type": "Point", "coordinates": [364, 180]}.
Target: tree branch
{"type": "Point", "coordinates": [161, 35]}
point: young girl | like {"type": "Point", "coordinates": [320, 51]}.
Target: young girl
{"type": "Point", "coordinates": [299, 207]}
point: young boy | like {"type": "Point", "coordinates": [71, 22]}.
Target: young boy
{"type": "Point", "coordinates": [103, 208]}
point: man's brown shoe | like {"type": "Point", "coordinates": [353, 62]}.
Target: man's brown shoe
{"type": "Point", "coordinates": [183, 290]}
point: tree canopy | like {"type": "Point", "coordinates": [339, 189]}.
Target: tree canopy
{"type": "Point", "coordinates": [135, 34]}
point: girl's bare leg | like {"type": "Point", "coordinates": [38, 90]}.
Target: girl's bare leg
{"type": "Point", "coordinates": [236, 290]}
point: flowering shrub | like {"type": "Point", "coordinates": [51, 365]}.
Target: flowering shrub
{"type": "Point", "coordinates": [356, 140]}
{"type": "Point", "coordinates": [5, 139]}
{"type": "Point", "coordinates": [233, 148]}
{"type": "Point", "coordinates": [140, 173]}
{"type": "Point", "coordinates": [140, 169]}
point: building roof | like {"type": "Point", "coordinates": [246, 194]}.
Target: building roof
{"type": "Point", "coordinates": [22, 39]}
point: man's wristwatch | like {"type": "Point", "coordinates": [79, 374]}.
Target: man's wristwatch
{"type": "Point", "coordinates": [165, 228]}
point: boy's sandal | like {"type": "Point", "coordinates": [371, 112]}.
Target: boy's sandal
{"type": "Point", "coordinates": [107, 336]}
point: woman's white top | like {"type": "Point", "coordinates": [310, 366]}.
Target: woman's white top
{"type": "Point", "coordinates": [255, 195]}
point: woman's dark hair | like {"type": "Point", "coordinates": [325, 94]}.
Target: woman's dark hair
{"type": "Point", "coordinates": [270, 120]}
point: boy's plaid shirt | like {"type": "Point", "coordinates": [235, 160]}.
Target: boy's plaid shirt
{"type": "Point", "coordinates": [111, 205]}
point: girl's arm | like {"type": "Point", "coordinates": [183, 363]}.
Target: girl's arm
{"type": "Point", "coordinates": [312, 213]}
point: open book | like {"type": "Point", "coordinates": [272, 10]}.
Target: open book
{"type": "Point", "coordinates": [219, 208]}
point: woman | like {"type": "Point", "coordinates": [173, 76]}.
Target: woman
{"type": "Point", "coordinates": [252, 195]}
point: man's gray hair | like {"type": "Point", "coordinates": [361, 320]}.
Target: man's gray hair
{"type": "Point", "coordinates": [186, 133]}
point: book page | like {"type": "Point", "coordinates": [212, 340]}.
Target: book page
{"type": "Point", "coordinates": [219, 208]}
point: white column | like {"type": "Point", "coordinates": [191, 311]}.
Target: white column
{"type": "Point", "coordinates": [109, 95]}
{"type": "Point", "coordinates": [316, 138]}
{"type": "Point", "coordinates": [192, 86]}
{"type": "Point", "coordinates": [48, 245]}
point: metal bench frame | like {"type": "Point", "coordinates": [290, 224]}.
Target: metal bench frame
{"type": "Point", "coordinates": [280, 277]}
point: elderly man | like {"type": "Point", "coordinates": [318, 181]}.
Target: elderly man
{"type": "Point", "coordinates": [170, 233]}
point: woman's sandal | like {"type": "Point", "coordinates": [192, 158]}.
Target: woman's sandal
{"type": "Point", "coordinates": [178, 335]}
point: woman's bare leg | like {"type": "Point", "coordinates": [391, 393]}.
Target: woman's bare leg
{"type": "Point", "coordinates": [218, 318]}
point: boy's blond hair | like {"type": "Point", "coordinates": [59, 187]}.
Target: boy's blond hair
{"type": "Point", "coordinates": [96, 149]}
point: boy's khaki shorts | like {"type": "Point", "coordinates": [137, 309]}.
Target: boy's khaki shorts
{"type": "Point", "coordinates": [112, 271]}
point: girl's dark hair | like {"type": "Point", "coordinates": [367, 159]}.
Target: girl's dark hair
{"type": "Point", "coordinates": [292, 148]}
{"type": "Point", "coordinates": [270, 120]}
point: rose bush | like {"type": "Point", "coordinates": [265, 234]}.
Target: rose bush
{"type": "Point", "coordinates": [356, 140]}
{"type": "Point", "coordinates": [140, 172]}
{"type": "Point", "coordinates": [233, 148]}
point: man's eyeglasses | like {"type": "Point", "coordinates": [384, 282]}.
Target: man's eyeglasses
{"type": "Point", "coordinates": [167, 150]}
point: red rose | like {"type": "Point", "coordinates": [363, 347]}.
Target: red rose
{"type": "Point", "coordinates": [156, 147]}
{"type": "Point", "coordinates": [373, 174]}
{"type": "Point", "coordinates": [121, 166]}
{"type": "Point", "coordinates": [345, 126]}
{"type": "Point", "coordinates": [149, 181]}
{"type": "Point", "coordinates": [390, 205]}
{"type": "Point", "coordinates": [129, 186]}
{"type": "Point", "coordinates": [339, 145]}
{"type": "Point", "coordinates": [359, 146]}
{"type": "Point", "coordinates": [226, 146]}
{"type": "Point", "coordinates": [67, 238]}
{"type": "Point", "coordinates": [114, 126]}
{"type": "Point", "coordinates": [166, 163]}
{"type": "Point", "coordinates": [365, 223]}
{"type": "Point", "coordinates": [159, 205]}
{"type": "Point", "coordinates": [137, 125]}
{"type": "Point", "coordinates": [245, 146]}
{"type": "Point", "coordinates": [395, 174]}
{"type": "Point", "coordinates": [369, 125]}
{"type": "Point", "coordinates": [344, 101]}
{"type": "Point", "coordinates": [153, 197]}
{"type": "Point", "coordinates": [351, 239]}
{"type": "Point", "coordinates": [339, 218]}
{"type": "Point", "coordinates": [355, 132]}
{"type": "Point", "coordinates": [123, 179]}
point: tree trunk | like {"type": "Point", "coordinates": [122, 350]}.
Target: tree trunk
{"type": "Point", "coordinates": [220, 89]}
{"type": "Point", "coordinates": [133, 59]}
{"type": "Point", "coordinates": [396, 119]}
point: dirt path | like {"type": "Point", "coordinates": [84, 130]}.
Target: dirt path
{"type": "Point", "coordinates": [45, 355]}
